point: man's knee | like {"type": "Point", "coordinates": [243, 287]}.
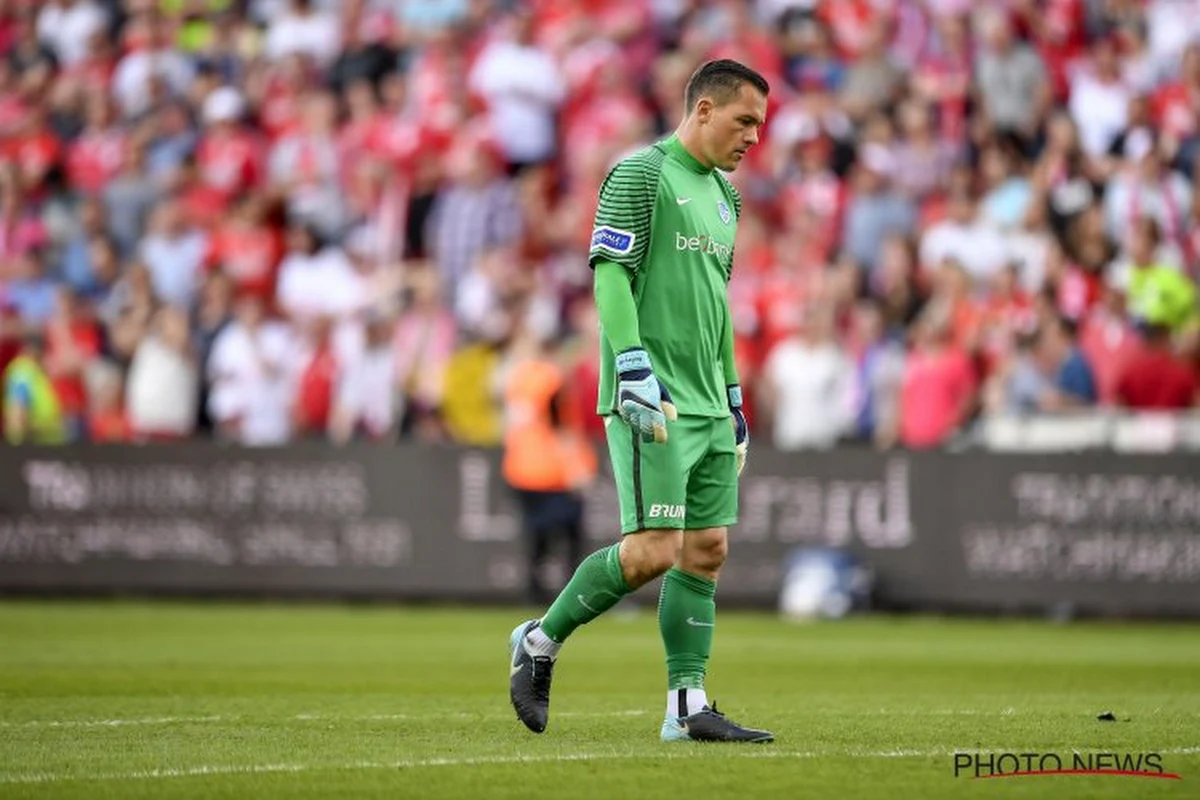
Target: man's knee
{"type": "Point", "coordinates": [704, 551]}
{"type": "Point", "coordinates": [647, 554]}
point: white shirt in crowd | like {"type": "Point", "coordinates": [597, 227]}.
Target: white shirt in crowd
{"type": "Point", "coordinates": [1100, 110]}
{"type": "Point", "coordinates": [175, 264]}
{"type": "Point", "coordinates": [1128, 197]}
{"type": "Point", "coordinates": [814, 387]}
{"type": "Point", "coordinates": [1170, 26]}
{"type": "Point", "coordinates": [317, 35]}
{"type": "Point", "coordinates": [322, 284]}
{"type": "Point", "coordinates": [162, 390]}
{"type": "Point", "coordinates": [523, 90]}
{"type": "Point", "coordinates": [366, 392]}
{"type": "Point", "coordinates": [1030, 250]}
{"type": "Point", "coordinates": [253, 381]}
{"type": "Point", "coordinates": [66, 30]}
{"type": "Point", "coordinates": [976, 245]}
{"type": "Point", "coordinates": [131, 81]}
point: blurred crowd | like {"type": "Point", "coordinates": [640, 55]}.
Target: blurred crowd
{"type": "Point", "coordinates": [270, 220]}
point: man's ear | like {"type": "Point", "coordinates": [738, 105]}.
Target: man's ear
{"type": "Point", "coordinates": [704, 110]}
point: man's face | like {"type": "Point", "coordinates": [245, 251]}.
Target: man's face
{"type": "Point", "coordinates": [728, 131]}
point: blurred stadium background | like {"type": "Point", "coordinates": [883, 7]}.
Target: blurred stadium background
{"type": "Point", "coordinates": [266, 266]}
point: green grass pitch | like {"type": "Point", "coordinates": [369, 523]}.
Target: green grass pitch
{"type": "Point", "coordinates": [175, 700]}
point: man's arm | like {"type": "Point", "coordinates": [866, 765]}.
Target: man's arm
{"type": "Point", "coordinates": [644, 403]}
{"type": "Point", "coordinates": [727, 350]}
{"type": "Point", "coordinates": [615, 306]}
{"type": "Point", "coordinates": [733, 390]}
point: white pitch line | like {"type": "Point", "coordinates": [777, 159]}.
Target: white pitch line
{"type": "Point", "coordinates": [108, 723]}
{"type": "Point", "coordinates": [681, 753]}
{"type": "Point", "coordinates": [122, 723]}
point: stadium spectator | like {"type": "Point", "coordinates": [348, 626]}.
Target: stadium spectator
{"type": "Point", "coordinates": [937, 394]}
{"type": "Point", "coordinates": [163, 384]}
{"type": "Point", "coordinates": [966, 238]}
{"type": "Point", "coordinates": [173, 251]}
{"type": "Point", "coordinates": [425, 339]}
{"type": "Point", "coordinates": [65, 26]}
{"type": "Point", "coordinates": [546, 462]}
{"type": "Point", "coordinates": [367, 403]}
{"type": "Point", "coordinates": [1011, 79]}
{"type": "Point", "coordinates": [523, 89]}
{"type": "Point", "coordinates": [876, 209]}
{"type": "Point", "coordinates": [32, 414]}
{"type": "Point", "coordinates": [1156, 378]}
{"type": "Point", "coordinates": [879, 371]}
{"type": "Point", "coordinates": [72, 341]}
{"type": "Point", "coordinates": [477, 212]}
{"type": "Point", "coordinates": [808, 385]}
{"type": "Point", "coordinates": [319, 373]}
{"type": "Point", "coordinates": [1158, 294]}
{"type": "Point", "coordinates": [250, 389]}
{"type": "Point", "coordinates": [107, 422]}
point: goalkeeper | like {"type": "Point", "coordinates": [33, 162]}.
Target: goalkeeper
{"type": "Point", "coordinates": [662, 253]}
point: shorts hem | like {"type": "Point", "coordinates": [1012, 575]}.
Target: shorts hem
{"type": "Point", "coordinates": [720, 522]}
{"type": "Point", "coordinates": [650, 526]}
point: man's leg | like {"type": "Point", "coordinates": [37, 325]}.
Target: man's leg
{"type": "Point", "coordinates": [601, 581]}
{"type": "Point", "coordinates": [649, 485]}
{"type": "Point", "coordinates": [687, 608]}
{"type": "Point", "coordinates": [687, 615]}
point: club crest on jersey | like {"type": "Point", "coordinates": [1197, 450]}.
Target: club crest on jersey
{"type": "Point", "coordinates": [723, 210]}
{"type": "Point", "coordinates": [614, 240]}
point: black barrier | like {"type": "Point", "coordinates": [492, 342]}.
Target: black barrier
{"type": "Point", "coordinates": [974, 531]}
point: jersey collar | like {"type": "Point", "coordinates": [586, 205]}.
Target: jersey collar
{"type": "Point", "coordinates": [675, 147]}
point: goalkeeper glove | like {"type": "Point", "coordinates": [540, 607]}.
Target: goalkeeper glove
{"type": "Point", "coordinates": [741, 431]}
{"type": "Point", "coordinates": [644, 403]}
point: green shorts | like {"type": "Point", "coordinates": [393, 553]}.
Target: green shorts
{"type": "Point", "coordinates": [688, 482]}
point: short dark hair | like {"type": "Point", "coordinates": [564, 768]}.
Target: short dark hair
{"type": "Point", "coordinates": [721, 80]}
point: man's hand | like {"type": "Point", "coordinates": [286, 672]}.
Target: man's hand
{"type": "Point", "coordinates": [644, 403]}
{"type": "Point", "coordinates": [741, 431]}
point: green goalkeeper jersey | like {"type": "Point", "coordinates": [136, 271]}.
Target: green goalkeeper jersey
{"type": "Point", "coordinates": [671, 223]}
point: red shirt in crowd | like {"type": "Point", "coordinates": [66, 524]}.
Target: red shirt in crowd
{"type": "Point", "coordinates": [314, 392]}
{"type": "Point", "coordinates": [1108, 344]}
{"type": "Point", "coordinates": [229, 164]}
{"type": "Point", "coordinates": [248, 255]}
{"type": "Point", "coordinates": [84, 337]}
{"type": "Point", "coordinates": [109, 426]}
{"type": "Point", "coordinates": [937, 385]}
{"type": "Point", "coordinates": [34, 153]}
{"type": "Point", "coordinates": [95, 158]}
{"type": "Point", "coordinates": [1155, 379]}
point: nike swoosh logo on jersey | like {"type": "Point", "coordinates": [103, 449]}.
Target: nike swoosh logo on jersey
{"type": "Point", "coordinates": [694, 622]}
{"type": "Point", "coordinates": [514, 669]}
{"type": "Point", "coordinates": [683, 200]}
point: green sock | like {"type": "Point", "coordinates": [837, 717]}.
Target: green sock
{"type": "Point", "coordinates": [595, 587]}
{"type": "Point", "coordinates": [686, 614]}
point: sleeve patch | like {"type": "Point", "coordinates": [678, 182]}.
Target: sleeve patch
{"type": "Point", "coordinates": [614, 240]}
